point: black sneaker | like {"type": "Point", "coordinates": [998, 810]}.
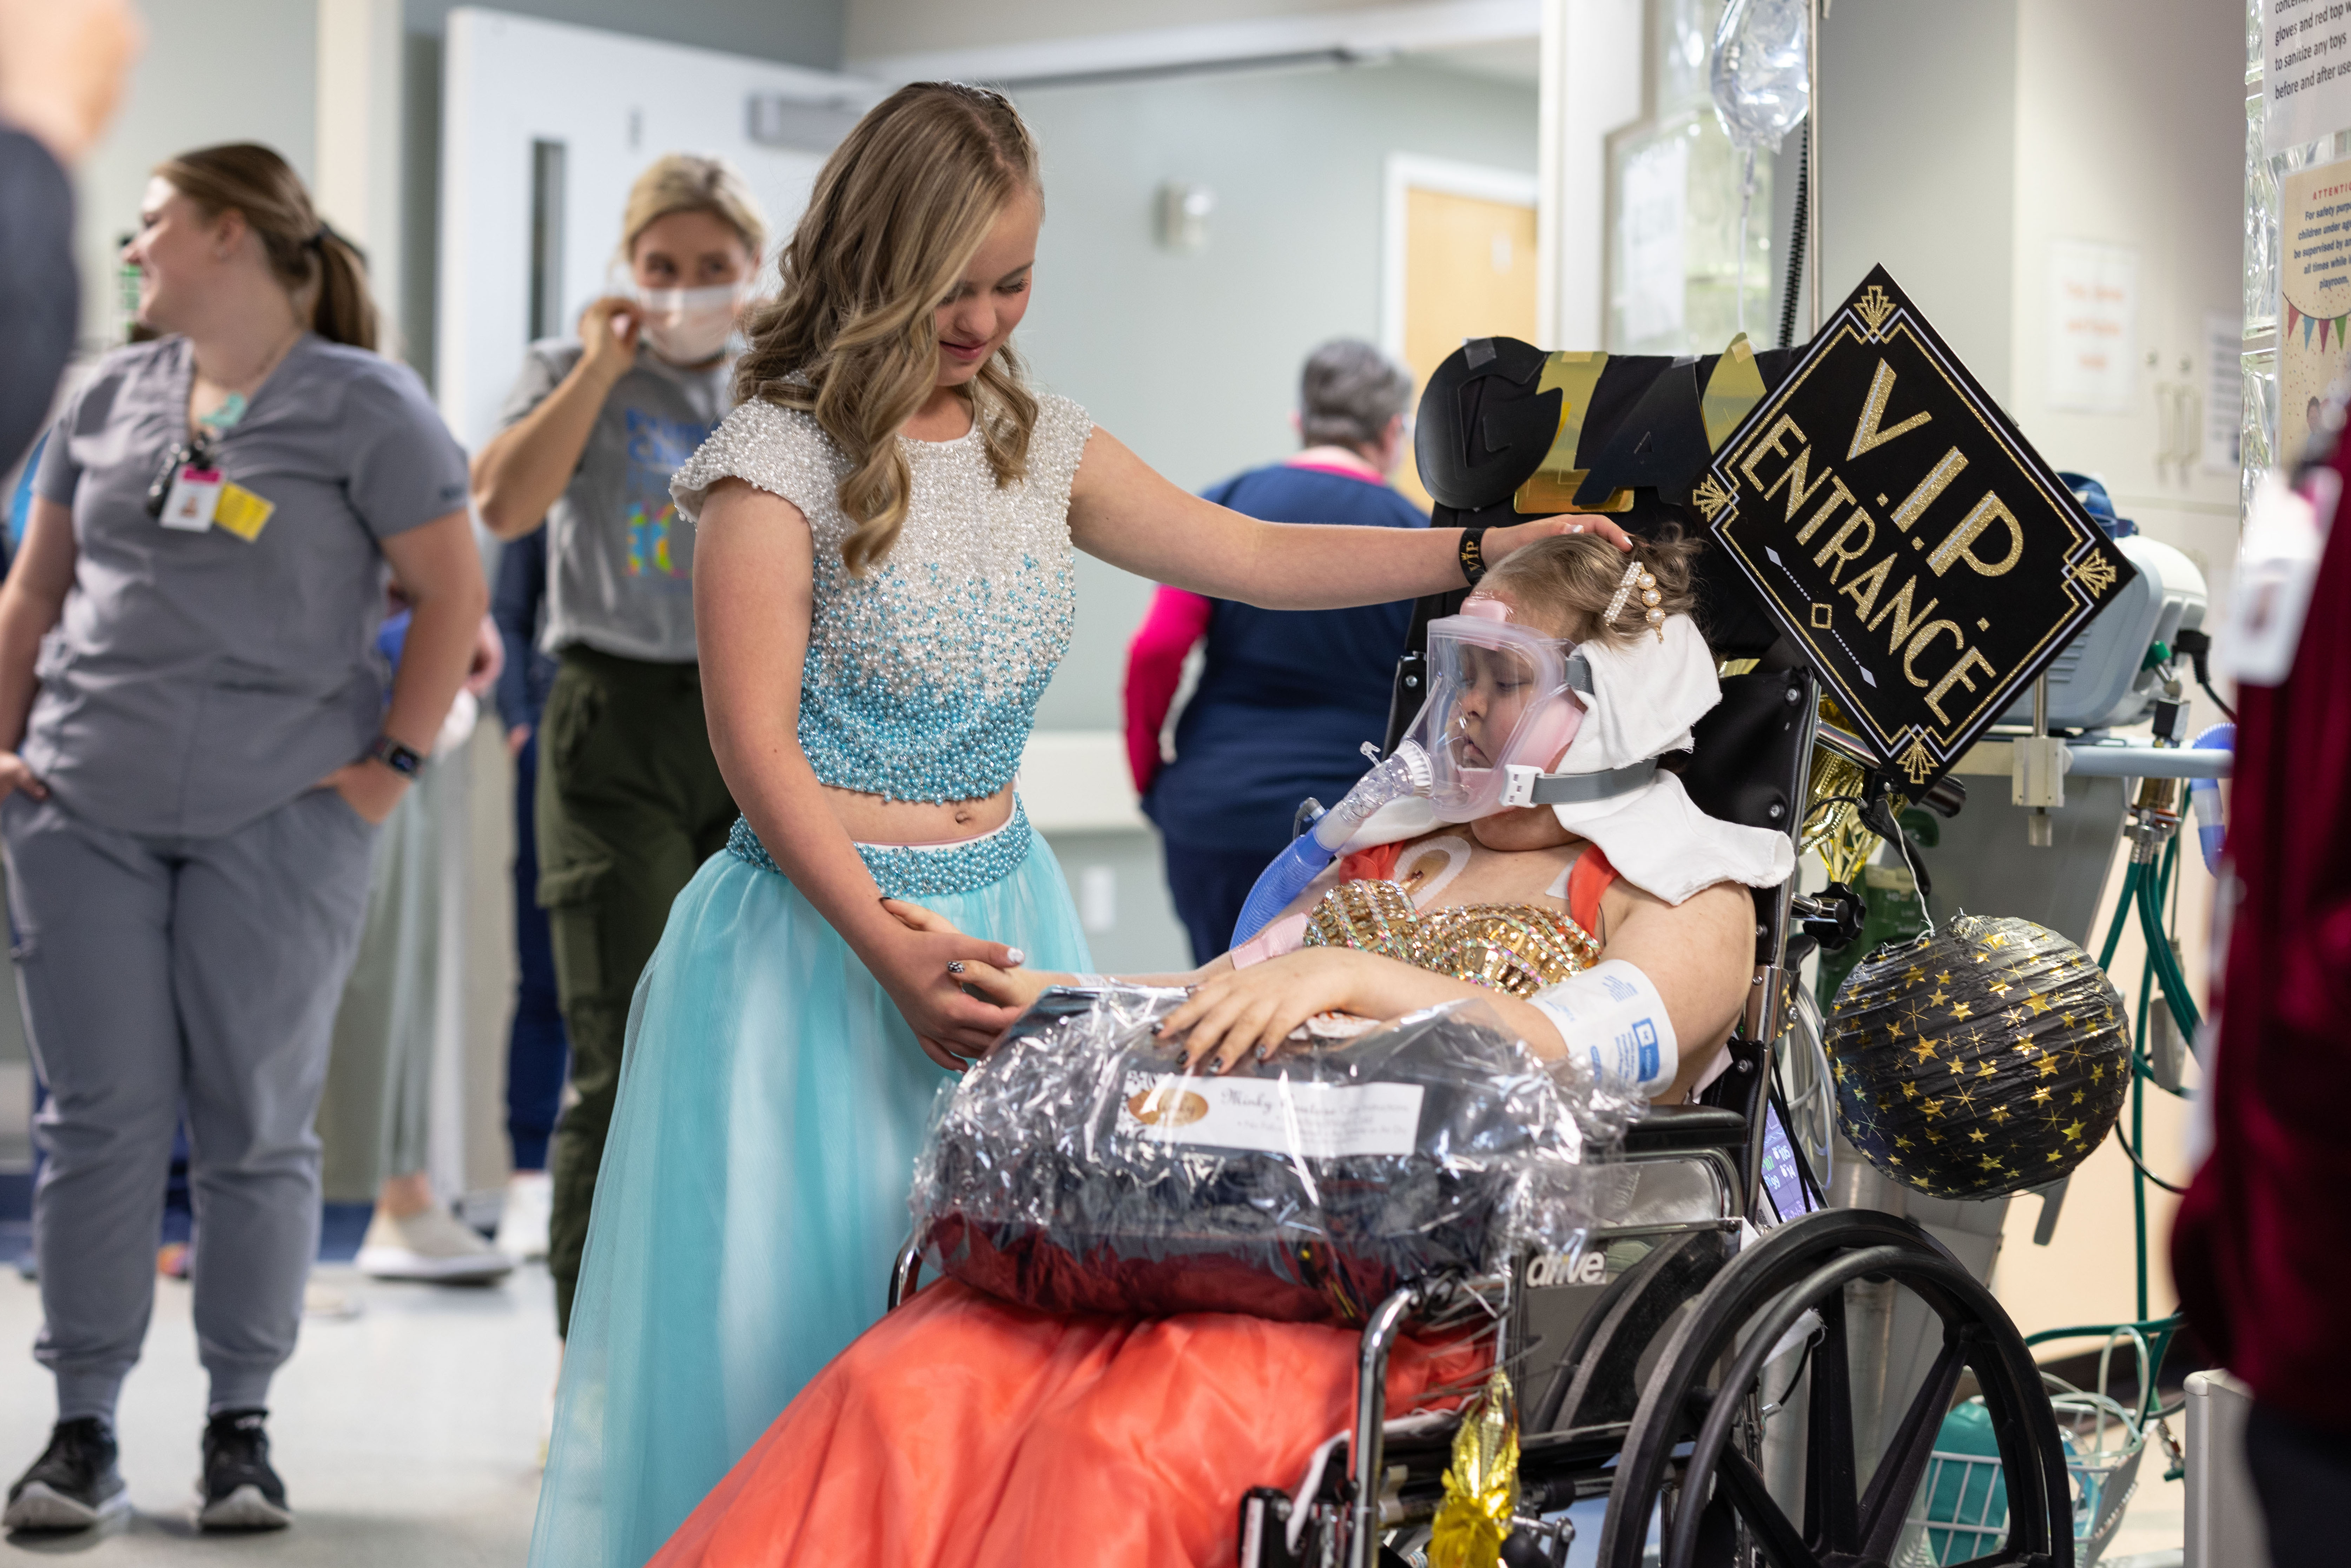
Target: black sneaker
{"type": "Point", "coordinates": [239, 1490]}
{"type": "Point", "coordinates": [73, 1485]}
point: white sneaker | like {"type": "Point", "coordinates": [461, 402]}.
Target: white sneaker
{"type": "Point", "coordinates": [522, 1222]}
{"type": "Point", "coordinates": [432, 1245]}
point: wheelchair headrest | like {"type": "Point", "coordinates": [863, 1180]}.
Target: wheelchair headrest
{"type": "Point", "coordinates": [1751, 756]}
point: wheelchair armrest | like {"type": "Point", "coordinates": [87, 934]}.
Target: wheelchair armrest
{"type": "Point", "coordinates": [1682, 1129]}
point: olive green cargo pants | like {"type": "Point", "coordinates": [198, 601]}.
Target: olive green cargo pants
{"type": "Point", "coordinates": [630, 805]}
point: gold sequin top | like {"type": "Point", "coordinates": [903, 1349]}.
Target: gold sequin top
{"type": "Point", "coordinates": [1516, 948]}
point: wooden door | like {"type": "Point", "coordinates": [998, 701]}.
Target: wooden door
{"type": "Point", "coordinates": [1470, 272]}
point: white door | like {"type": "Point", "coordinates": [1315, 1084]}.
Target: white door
{"type": "Point", "coordinates": [544, 128]}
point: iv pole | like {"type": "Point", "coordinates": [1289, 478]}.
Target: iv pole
{"type": "Point", "coordinates": [1812, 156]}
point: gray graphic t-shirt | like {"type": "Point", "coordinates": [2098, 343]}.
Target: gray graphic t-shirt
{"type": "Point", "coordinates": [620, 556]}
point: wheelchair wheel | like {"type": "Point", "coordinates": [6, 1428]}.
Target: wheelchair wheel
{"type": "Point", "coordinates": [1691, 1455]}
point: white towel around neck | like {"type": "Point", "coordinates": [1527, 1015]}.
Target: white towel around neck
{"type": "Point", "coordinates": [1645, 699]}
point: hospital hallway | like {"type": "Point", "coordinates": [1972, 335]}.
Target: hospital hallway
{"type": "Point", "coordinates": [407, 1427]}
{"type": "Point", "coordinates": [1148, 656]}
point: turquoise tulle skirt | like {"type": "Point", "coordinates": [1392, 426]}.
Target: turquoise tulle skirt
{"type": "Point", "coordinates": [753, 1193]}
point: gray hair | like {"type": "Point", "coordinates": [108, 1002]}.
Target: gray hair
{"type": "Point", "coordinates": [1349, 391]}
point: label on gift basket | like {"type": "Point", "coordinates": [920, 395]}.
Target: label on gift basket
{"type": "Point", "coordinates": [1274, 1115]}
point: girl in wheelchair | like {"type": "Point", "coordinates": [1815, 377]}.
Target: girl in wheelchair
{"type": "Point", "coordinates": [967, 1430]}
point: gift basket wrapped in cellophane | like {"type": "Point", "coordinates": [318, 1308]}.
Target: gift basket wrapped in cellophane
{"type": "Point", "coordinates": [1077, 1168]}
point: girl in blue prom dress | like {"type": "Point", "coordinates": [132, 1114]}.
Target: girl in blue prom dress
{"type": "Point", "coordinates": [882, 588]}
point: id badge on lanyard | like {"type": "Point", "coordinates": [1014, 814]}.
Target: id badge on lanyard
{"type": "Point", "coordinates": [192, 495]}
{"type": "Point", "coordinates": [195, 497]}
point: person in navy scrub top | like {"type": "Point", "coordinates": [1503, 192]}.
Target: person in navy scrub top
{"type": "Point", "coordinates": [1286, 697]}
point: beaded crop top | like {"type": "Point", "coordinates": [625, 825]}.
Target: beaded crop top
{"type": "Point", "coordinates": [1515, 948]}
{"type": "Point", "coordinates": [921, 677]}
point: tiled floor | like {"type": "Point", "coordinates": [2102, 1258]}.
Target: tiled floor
{"type": "Point", "coordinates": [408, 1434]}
{"type": "Point", "coordinates": [2157, 1518]}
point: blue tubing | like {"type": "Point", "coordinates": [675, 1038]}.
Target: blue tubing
{"type": "Point", "coordinates": [1280, 884]}
{"type": "Point", "coordinates": [2204, 795]}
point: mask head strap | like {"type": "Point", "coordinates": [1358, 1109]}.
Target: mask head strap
{"type": "Point", "coordinates": [1532, 787]}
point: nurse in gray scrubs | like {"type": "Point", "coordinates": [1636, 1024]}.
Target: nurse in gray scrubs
{"type": "Point", "coordinates": [201, 746]}
{"type": "Point", "coordinates": [630, 800]}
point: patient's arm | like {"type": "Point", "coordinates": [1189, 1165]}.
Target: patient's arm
{"type": "Point", "coordinates": [1699, 954]}
{"type": "Point", "coordinates": [1229, 1015]}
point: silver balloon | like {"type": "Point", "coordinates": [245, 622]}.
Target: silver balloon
{"type": "Point", "coordinates": [1762, 87]}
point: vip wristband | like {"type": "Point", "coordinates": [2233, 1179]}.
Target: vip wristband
{"type": "Point", "coordinates": [405, 761]}
{"type": "Point", "coordinates": [1472, 555]}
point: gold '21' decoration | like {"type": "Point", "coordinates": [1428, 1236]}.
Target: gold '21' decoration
{"type": "Point", "coordinates": [1903, 534]}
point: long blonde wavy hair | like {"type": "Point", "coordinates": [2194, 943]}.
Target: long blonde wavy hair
{"type": "Point", "coordinates": [897, 213]}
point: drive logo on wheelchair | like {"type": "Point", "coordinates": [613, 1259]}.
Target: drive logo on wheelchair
{"type": "Point", "coordinates": [1551, 1269]}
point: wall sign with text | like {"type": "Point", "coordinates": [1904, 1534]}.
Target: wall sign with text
{"type": "Point", "coordinates": [1903, 534]}
{"type": "Point", "coordinates": [2306, 71]}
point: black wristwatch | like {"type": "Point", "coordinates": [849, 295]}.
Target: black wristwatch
{"type": "Point", "coordinates": [1473, 555]}
{"type": "Point", "coordinates": [405, 761]}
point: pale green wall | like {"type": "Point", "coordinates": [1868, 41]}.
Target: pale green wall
{"type": "Point", "coordinates": [1918, 165]}
{"type": "Point", "coordinates": [1192, 359]}
{"type": "Point", "coordinates": [214, 70]}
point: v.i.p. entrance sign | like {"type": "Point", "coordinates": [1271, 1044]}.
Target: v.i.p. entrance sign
{"type": "Point", "coordinates": [1904, 535]}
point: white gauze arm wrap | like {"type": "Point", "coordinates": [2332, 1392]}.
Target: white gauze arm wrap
{"type": "Point", "coordinates": [1612, 1012]}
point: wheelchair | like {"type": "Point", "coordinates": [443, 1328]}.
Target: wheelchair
{"type": "Point", "coordinates": [1718, 1363]}
{"type": "Point", "coordinates": [1695, 1363]}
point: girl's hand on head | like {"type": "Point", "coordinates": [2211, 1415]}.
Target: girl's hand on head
{"type": "Point", "coordinates": [1500, 542]}
{"type": "Point", "coordinates": [1230, 1014]}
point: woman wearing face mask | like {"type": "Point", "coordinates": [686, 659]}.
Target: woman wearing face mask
{"type": "Point", "coordinates": [629, 798]}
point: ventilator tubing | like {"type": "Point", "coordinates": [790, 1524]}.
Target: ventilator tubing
{"type": "Point", "coordinates": [1401, 777]}
{"type": "Point", "coordinates": [2204, 797]}
{"type": "Point", "coordinates": [1612, 1016]}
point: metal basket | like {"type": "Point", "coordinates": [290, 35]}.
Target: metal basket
{"type": "Point", "coordinates": [2104, 1475]}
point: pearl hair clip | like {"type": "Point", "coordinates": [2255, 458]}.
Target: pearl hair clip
{"type": "Point", "coordinates": [1638, 576]}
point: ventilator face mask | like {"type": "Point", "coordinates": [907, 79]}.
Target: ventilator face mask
{"type": "Point", "coordinates": [690, 325]}
{"type": "Point", "coordinates": [1501, 708]}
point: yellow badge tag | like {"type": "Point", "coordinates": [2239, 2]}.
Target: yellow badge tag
{"type": "Point", "coordinates": [242, 512]}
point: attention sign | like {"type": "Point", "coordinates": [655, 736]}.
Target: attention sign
{"type": "Point", "coordinates": [1904, 535]}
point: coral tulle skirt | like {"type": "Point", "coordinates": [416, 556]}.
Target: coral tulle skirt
{"type": "Point", "coordinates": [753, 1193]}
{"type": "Point", "coordinates": [964, 1432]}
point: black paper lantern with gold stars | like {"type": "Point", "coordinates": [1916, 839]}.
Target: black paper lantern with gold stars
{"type": "Point", "coordinates": [1984, 1060]}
